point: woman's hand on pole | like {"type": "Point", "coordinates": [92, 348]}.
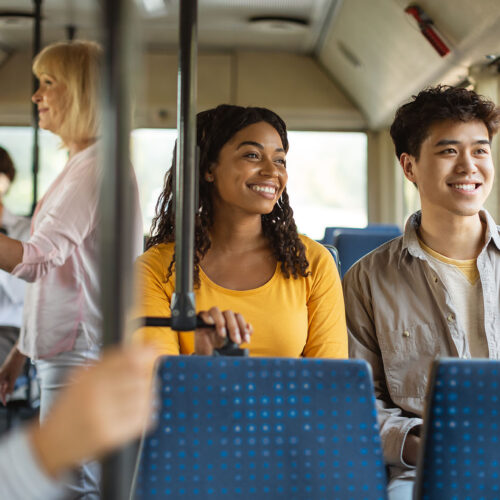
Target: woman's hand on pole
{"type": "Point", "coordinates": [227, 324]}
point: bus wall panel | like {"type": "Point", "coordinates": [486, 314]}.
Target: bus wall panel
{"type": "Point", "coordinates": [293, 85]}
{"type": "Point", "coordinates": [298, 88]}
{"type": "Point", "coordinates": [385, 181]}
{"type": "Point", "coordinates": [489, 86]}
{"type": "Point", "coordinates": [157, 103]}
{"type": "Point", "coordinates": [16, 88]}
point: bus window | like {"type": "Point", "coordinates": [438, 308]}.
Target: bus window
{"type": "Point", "coordinates": [18, 141]}
{"type": "Point", "coordinates": [151, 153]}
{"type": "Point", "coordinates": [326, 176]}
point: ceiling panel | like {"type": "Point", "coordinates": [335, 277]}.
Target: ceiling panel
{"type": "Point", "coordinates": [223, 24]}
{"type": "Point", "coordinates": [370, 48]}
{"type": "Point", "coordinates": [378, 56]}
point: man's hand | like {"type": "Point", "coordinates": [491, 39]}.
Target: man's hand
{"type": "Point", "coordinates": [108, 404]}
{"type": "Point", "coordinates": [412, 446]}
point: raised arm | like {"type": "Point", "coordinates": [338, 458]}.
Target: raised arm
{"type": "Point", "coordinates": [107, 405]}
{"type": "Point", "coordinates": [11, 253]}
{"type": "Point", "coordinates": [66, 218]}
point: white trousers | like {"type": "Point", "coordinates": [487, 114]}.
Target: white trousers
{"type": "Point", "coordinates": [400, 489]}
{"type": "Point", "coordinates": [54, 374]}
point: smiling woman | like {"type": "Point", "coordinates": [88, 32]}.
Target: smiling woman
{"type": "Point", "coordinates": [250, 175]}
{"type": "Point", "coordinates": [67, 94]}
{"type": "Point", "coordinates": [249, 257]}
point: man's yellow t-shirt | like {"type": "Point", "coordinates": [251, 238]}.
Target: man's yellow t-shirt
{"type": "Point", "coordinates": [290, 317]}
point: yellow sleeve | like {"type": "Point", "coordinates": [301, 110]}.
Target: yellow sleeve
{"type": "Point", "coordinates": [327, 330]}
{"type": "Point", "coordinates": [153, 299]}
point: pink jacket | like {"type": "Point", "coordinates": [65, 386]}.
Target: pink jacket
{"type": "Point", "coordinates": [60, 261]}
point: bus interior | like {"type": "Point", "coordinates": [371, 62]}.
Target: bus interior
{"type": "Point", "coordinates": [335, 70]}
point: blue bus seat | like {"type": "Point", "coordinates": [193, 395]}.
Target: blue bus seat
{"type": "Point", "coordinates": [335, 254]}
{"type": "Point", "coordinates": [354, 244]}
{"type": "Point", "coordinates": [328, 236]}
{"type": "Point", "coordinates": [332, 232]}
{"type": "Point", "coordinates": [460, 454]}
{"type": "Point", "coordinates": [273, 428]}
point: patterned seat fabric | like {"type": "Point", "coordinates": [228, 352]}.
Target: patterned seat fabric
{"type": "Point", "coordinates": [461, 453]}
{"type": "Point", "coordinates": [263, 428]}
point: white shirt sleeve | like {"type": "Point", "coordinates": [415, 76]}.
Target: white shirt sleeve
{"type": "Point", "coordinates": [21, 477]}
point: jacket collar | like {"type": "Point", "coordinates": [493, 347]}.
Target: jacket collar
{"type": "Point", "coordinates": [412, 245]}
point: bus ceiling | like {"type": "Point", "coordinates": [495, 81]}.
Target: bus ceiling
{"type": "Point", "coordinates": [323, 64]}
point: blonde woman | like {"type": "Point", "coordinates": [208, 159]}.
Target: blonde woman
{"type": "Point", "coordinates": [62, 320]}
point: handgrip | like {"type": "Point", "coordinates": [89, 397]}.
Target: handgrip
{"type": "Point", "coordinates": [229, 348]}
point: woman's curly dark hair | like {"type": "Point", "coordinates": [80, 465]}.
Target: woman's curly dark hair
{"type": "Point", "coordinates": [215, 127]}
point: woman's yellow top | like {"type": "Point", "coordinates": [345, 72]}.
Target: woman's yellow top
{"type": "Point", "coordinates": [290, 317]}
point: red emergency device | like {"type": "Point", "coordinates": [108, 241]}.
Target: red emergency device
{"type": "Point", "coordinates": [427, 29]}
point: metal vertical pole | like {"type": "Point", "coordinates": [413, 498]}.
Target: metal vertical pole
{"type": "Point", "coordinates": [70, 32]}
{"type": "Point", "coordinates": [117, 205]}
{"type": "Point", "coordinates": [37, 42]}
{"type": "Point", "coordinates": [183, 306]}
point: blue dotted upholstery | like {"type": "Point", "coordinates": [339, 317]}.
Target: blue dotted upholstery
{"type": "Point", "coordinates": [352, 245]}
{"type": "Point", "coordinates": [461, 456]}
{"type": "Point", "coordinates": [332, 232]}
{"type": "Point", "coordinates": [247, 428]}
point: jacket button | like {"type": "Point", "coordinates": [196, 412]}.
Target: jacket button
{"type": "Point", "coordinates": [451, 318]}
{"type": "Point", "coordinates": [406, 333]}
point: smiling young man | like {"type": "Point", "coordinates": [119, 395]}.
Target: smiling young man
{"type": "Point", "coordinates": [435, 291]}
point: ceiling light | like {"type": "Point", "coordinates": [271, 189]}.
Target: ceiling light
{"type": "Point", "coordinates": [154, 7]}
{"type": "Point", "coordinates": [279, 23]}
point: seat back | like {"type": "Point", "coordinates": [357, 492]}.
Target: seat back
{"type": "Point", "coordinates": [354, 244]}
{"type": "Point", "coordinates": [335, 254]}
{"type": "Point", "coordinates": [332, 232]}
{"type": "Point", "coordinates": [328, 236]}
{"type": "Point", "coordinates": [460, 454]}
{"type": "Point", "coordinates": [260, 427]}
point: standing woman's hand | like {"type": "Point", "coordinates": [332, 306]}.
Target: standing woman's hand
{"type": "Point", "coordinates": [9, 371]}
{"type": "Point", "coordinates": [227, 323]}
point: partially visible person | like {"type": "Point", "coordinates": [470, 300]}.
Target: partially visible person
{"type": "Point", "coordinates": [435, 291]}
{"type": "Point", "coordinates": [107, 405]}
{"type": "Point", "coordinates": [12, 289]}
{"type": "Point", "coordinates": [62, 315]}
{"type": "Point", "coordinates": [249, 256]}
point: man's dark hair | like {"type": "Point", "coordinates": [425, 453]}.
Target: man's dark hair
{"type": "Point", "coordinates": [435, 104]}
{"type": "Point", "coordinates": [7, 165]}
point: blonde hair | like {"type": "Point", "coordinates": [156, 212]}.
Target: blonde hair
{"type": "Point", "coordinates": [76, 65]}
